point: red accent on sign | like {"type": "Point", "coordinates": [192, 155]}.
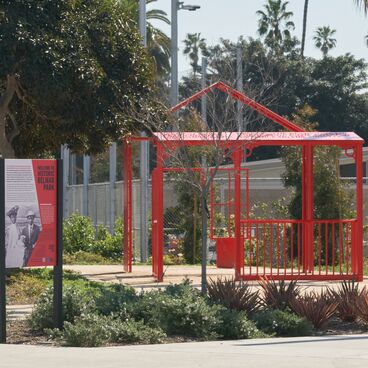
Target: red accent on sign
{"type": "Point", "coordinates": [44, 251]}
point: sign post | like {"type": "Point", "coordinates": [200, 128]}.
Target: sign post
{"type": "Point", "coordinates": [58, 268]}
{"type": "Point", "coordinates": [2, 257]}
{"type": "Point", "coordinates": [31, 193]}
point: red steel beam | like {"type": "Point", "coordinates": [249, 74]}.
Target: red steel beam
{"type": "Point", "coordinates": [278, 119]}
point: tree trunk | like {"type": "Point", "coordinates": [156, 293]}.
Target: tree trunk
{"type": "Point", "coordinates": [6, 148]}
{"type": "Point", "coordinates": [204, 244]}
{"type": "Point", "coordinates": [305, 14]}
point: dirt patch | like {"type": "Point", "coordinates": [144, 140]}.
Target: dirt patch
{"type": "Point", "coordinates": [18, 332]}
{"type": "Point", "coordinates": [337, 327]}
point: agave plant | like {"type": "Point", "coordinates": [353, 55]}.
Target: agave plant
{"type": "Point", "coordinates": [278, 294]}
{"type": "Point", "coordinates": [346, 296]}
{"type": "Point", "coordinates": [316, 308]}
{"type": "Point", "coordinates": [361, 305]}
{"type": "Point", "coordinates": [233, 295]}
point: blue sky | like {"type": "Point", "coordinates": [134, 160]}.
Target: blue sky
{"type": "Point", "coordinates": [233, 18]}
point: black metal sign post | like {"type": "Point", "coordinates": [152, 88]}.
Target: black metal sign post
{"type": "Point", "coordinates": [58, 268]}
{"type": "Point", "coordinates": [2, 256]}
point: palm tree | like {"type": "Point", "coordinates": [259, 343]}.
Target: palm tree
{"type": "Point", "coordinates": [158, 43]}
{"type": "Point", "coordinates": [362, 4]}
{"type": "Point", "coordinates": [323, 39]}
{"type": "Point", "coordinates": [193, 45]}
{"type": "Point", "coordinates": [274, 22]}
{"type": "Point", "coordinates": [305, 14]}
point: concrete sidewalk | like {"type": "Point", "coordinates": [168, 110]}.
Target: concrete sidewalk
{"type": "Point", "coordinates": [18, 312]}
{"type": "Point", "coordinates": [327, 352]}
{"type": "Point", "coordinates": [141, 277]}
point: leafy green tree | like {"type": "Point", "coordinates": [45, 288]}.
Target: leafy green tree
{"type": "Point", "coordinates": [194, 45]}
{"type": "Point", "coordinates": [274, 23]}
{"type": "Point", "coordinates": [336, 88]}
{"type": "Point", "coordinates": [332, 198]}
{"type": "Point", "coordinates": [70, 71]}
{"type": "Point", "coordinates": [158, 43]}
{"type": "Point", "coordinates": [323, 39]}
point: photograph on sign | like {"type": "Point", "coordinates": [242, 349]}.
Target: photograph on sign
{"type": "Point", "coordinates": [30, 208]}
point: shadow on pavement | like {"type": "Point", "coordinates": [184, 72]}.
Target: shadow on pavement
{"type": "Point", "coordinates": [321, 339]}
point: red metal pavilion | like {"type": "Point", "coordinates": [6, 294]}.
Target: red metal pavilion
{"type": "Point", "coordinates": [305, 249]}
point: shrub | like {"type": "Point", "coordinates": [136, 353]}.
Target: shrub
{"type": "Point", "coordinates": [236, 325]}
{"type": "Point", "coordinates": [92, 330]}
{"type": "Point", "coordinates": [233, 295]}
{"type": "Point", "coordinates": [278, 294]}
{"type": "Point", "coordinates": [88, 330]}
{"type": "Point", "coordinates": [346, 296]}
{"type": "Point", "coordinates": [316, 308]}
{"type": "Point", "coordinates": [131, 331]}
{"type": "Point", "coordinates": [107, 245]}
{"type": "Point", "coordinates": [282, 323]}
{"type": "Point", "coordinates": [115, 298]}
{"type": "Point", "coordinates": [76, 300]}
{"type": "Point", "coordinates": [179, 311]}
{"type": "Point", "coordinates": [78, 233]}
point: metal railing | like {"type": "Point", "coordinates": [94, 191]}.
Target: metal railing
{"type": "Point", "coordinates": [279, 248]}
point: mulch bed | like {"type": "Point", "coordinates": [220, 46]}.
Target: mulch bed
{"type": "Point", "coordinates": [18, 332]}
{"type": "Point", "coordinates": [337, 327]}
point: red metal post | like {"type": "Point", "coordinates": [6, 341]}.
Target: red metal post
{"type": "Point", "coordinates": [158, 217]}
{"type": "Point", "coordinates": [359, 210]}
{"type": "Point", "coordinates": [304, 231]}
{"type": "Point", "coordinates": [307, 208]}
{"type": "Point", "coordinates": [127, 191]}
{"type": "Point", "coordinates": [239, 260]}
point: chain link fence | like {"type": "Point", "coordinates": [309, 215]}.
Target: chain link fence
{"type": "Point", "coordinates": [177, 211]}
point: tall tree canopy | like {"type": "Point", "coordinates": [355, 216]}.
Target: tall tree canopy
{"type": "Point", "coordinates": [69, 71]}
{"type": "Point", "coordinates": [194, 46]}
{"type": "Point", "coordinates": [275, 22]}
{"type": "Point", "coordinates": [334, 86]}
{"type": "Point", "coordinates": [324, 40]}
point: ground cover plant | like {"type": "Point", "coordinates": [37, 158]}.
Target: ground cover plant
{"type": "Point", "coordinates": [278, 322]}
{"type": "Point", "coordinates": [99, 314]}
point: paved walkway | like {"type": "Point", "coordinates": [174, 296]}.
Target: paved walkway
{"type": "Point", "coordinates": [306, 352]}
{"type": "Point", "coordinates": [15, 312]}
{"type": "Point", "coordinates": [141, 277]}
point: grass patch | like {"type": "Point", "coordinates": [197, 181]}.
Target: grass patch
{"type": "Point", "coordinates": [24, 286]}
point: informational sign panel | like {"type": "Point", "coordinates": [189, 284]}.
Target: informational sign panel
{"type": "Point", "coordinates": [30, 213]}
